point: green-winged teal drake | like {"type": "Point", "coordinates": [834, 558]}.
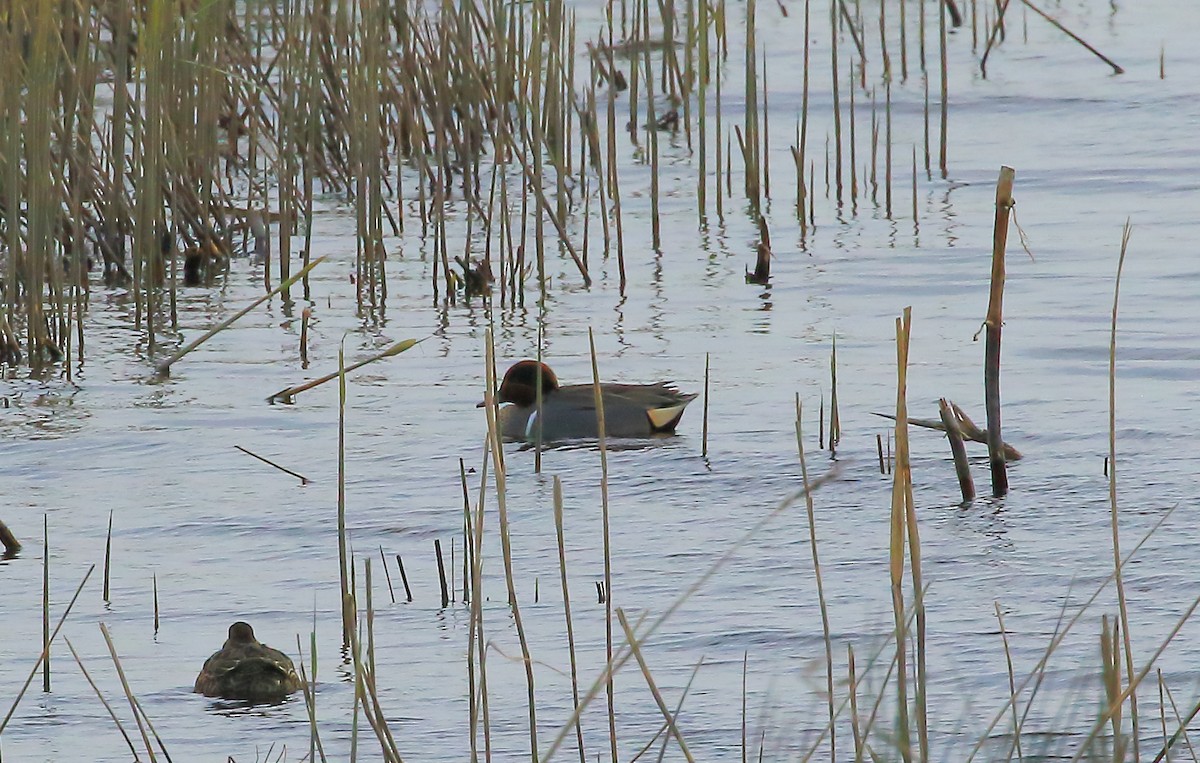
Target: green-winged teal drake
{"type": "Point", "coordinates": [247, 669]}
{"type": "Point", "coordinates": [568, 413]}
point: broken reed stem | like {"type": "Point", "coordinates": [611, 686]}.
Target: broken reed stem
{"type": "Point", "coordinates": [404, 578]}
{"type": "Point", "coordinates": [958, 449]}
{"type": "Point", "coordinates": [437, 547]}
{"type": "Point", "coordinates": [1112, 484]}
{"type": "Point", "coordinates": [1116, 69]}
{"type": "Point", "coordinates": [288, 395]}
{"type": "Point", "coordinates": [99, 696]}
{"type": "Point", "coordinates": [137, 716]}
{"type": "Point", "coordinates": [632, 640]}
{"type": "Point", "coordinates": [107, 554]}
{"type": "Point", "coordinates": [303, 480]}
{"type": "Point", "coordinates": [812, 541]}
{"type": "Point", "coordinates": [11, 545]}
{"type": "Point", "coordinates": [506, 542]}
{"type": "Point", "coordinates": [387, 575]}
{"type": "Point", "coordinates": [154, 582]}
{"type": "Point", "coordinates": [562, 568]}
{"type": "Point", "coordinates": [163, 368]}
{"type": "Point", "coordinates": [994, 323]}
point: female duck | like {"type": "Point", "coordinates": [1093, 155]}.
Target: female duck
{"type": "Point", "coordinates": [630, 410]}
{"type": "Point", "coordinates": [247, 669]}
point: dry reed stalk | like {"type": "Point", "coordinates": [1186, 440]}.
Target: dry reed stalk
{"type": "Point", "coordinates": [288, 395]}
{"type": "Point", "coordinates": [1112, 486]}
{"type": "Point", "coordinates": [720, 153]}
{"type": "Point", "coordinates": [1012, 684]}
{"type": "Point", "coordinates": [874, 174]}
{"type": "Point", "coordinates": [837, 100]}
{"type": "Point", "coordinates": [901, 490]}
{"type": "Point", "coordinates": [887, 149]}
{"type": "Point", "coordinates": [925, 123]}
{"type": "Point", "coordinates": [652, 127]}
{"type": "Point", "coordinates": [475, 638]}
{"type": "Point", "coordinates": [916, 221]}
{"type": "Point", "coordinates": [308, 686]}
{"type": "Point", "coordinates": [879, 447]}
{"type": "Point", "coordinates": [467, 534]}
{"type": "Point", "coordinates": [343, 570]}
{"type": "Point", "coordinates": [702, 102]}
{"type": "Point", "coordinates": [506, 542]}
{"type": "Point", "coordinates": [704, 428]}
{"type": "Point", "coordinates": [163, 368]}
{"type": "Point", "coordinates": [387, 575]}
{"type": "Point", "coordinates": [962, 468]}
{"type": "Point", "coordinates": [604, 520]}
{"type": "Point", "coordinates": [370, 592]}
{"type": "Point", "coordinates": [1053, 22]}
{"type": "Point", "coordinates": [437, 547]}
{"type": "Point", "coordinates": [1182, 727]}
{"type": "Point", "coordinates": [99, 696]}
{"type": "Point", "coordinates": [835, 419]}
{"type": "Point", "coordinates": [137, 715]}
{"type": "Point", "coordinates": [46, 602]}
{"type": "Point", "coordinates": [1037, 672]}
{"type": "Point", "coordinates": [1113, 709]}
{"type": "Point", "coordinates": [970, 430]}
{"type": "Point", "coordinates": [750, 151]}
{"type": "Point", "coordinates": [368, 698]}
{"type": "Point", "coordinates": [303, 480]}
{"type": "Point", "coordinates": [997, 30]}
{"type": "Point", "coordinates": [562, 568]}
{"type": "Point", "coordinates": [634, 647]}
{"type": "Point", "coordinates": [994, 323]}
{"type": "Point", "coordinates": [305, 317]}
{"type": "Point", "coordinates": [154, 581]}
{"type": "Point", "coordinates": [619, 660]}
{"type": "Point", "coordinates": [943, 7]}
{"type": "Point", "coordinates": [665, 727]}
{"type": "Point", "coordinates": [853, 690]}
{"type": "Point", "coordinates": [404, 578]}
{"type": "Point", "coordinates": [812, 542]}
{"type": "Point", "coordinates": [883, 48]}
{"type": "Point", "coordinates": [853, 147]}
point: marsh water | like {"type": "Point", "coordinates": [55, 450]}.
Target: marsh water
{"type": "Point", "coordinates": [225, 537]}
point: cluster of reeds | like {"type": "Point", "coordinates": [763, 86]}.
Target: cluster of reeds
{"type": "Point", "coordinates": [149, 142]}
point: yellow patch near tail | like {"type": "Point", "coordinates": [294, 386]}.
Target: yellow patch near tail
{"type": "Point", "coordinates": [663, 418]}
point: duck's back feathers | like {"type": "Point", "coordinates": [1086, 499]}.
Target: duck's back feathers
{"type": "Point", "coordinates": [248, 670]}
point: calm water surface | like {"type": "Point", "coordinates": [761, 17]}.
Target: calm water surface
{"type": "Point", "coordinates": [229, 538]}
